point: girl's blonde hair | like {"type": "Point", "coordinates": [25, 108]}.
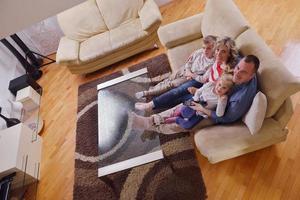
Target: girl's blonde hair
{"type": "Point", "coordinates": [227, 80]}
{"type": "Point", "coordinates": [233, 52]}
{"type": "Point", "coordinates": [227, 69]}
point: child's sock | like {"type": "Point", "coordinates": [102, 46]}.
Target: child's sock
{"type": "Point", "coordinates": [170, 120]}
{"type": "Point", "coordinates": [177, 112]}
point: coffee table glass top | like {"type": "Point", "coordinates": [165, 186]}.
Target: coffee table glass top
{"type": "Point", "coordinates": [120, 145]}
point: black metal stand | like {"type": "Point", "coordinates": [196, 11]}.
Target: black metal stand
{"type": "Point", "coordinates": [37, 62]}
{"type": "Point", "coordinates": [45, 57]}
{"type": "Point", "coordinates": [30, 69]}
{"type": "Point", "coordinates": [33, 60]}
{"type": "Point", "coordinates": [9, 121]}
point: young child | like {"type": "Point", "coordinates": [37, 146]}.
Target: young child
{"type": "Point", "coordinates": [196, 66]}
{"type": "Point", "coordinates": [212, 95]}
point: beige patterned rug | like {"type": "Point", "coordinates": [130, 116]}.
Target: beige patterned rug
{"type": "Point", "coordinates": [176, 177]}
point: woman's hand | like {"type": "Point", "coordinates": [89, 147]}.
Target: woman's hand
{"type": "Point", "coordinates": [192, 90]}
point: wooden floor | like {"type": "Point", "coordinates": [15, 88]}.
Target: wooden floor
{"type": "Point", "coordinates": [271, 173]}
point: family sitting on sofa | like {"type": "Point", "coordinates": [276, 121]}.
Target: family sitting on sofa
{"type": "Point", "coordinates": [212, 84]}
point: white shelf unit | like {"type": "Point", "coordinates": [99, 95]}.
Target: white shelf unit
{"type": "Point", "coordinates": [20, 154]}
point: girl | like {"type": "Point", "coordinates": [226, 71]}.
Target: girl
{"type": "Point", "coordinates": [212, 95]}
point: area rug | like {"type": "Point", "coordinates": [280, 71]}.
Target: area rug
{"type": "Point", "coordinates": [175, 177]}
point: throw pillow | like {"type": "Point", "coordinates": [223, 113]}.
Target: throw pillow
{"type": "Point", "coordinates": [256, 114]}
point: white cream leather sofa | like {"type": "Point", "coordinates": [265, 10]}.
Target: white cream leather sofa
{"type": "Point", "coordinates": [223, 18]}
{"type": "Point", "coordinates": [99, 33]}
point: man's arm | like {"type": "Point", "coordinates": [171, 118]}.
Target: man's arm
{"type": "Point", "coordinates": [221, 106]}
{"type": "Point", "coordinates": [235, 110]}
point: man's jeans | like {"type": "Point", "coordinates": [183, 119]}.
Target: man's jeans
{"type": "Point", "coordinates": [175, 96]}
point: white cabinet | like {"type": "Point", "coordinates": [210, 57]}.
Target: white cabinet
{"type": "Point", "coordinates": [29, 98]}
{"type": "Point", "coordinates": [20, 152]}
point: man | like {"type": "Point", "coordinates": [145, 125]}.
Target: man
{"type": "Point", "coordinates": [240, 100]}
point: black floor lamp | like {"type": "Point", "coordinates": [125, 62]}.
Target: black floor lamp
{"type": "Point", "coordinates": [37, 62]}
{"type": "Point", "coordinates": [32, 67]}
{"type": "Point", "coordinates": [34, 72]}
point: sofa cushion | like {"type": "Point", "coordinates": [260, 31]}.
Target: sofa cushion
{"type": "Point", "coordinates": [181, 31]}
{"type": "Point", "coordinates": [222, 142]}
{"type": "Point", "coordinates": [256, 114]}
{"type": "Point", "coordinates": [127, 33]}
{"type": "Point", "coordinates": [95, 47]}
{"type": "Point", "coordinates": [276, 82]}
{"type": "Point", "coordinates": [223, 19]}
{"type": "Point", "coordinates": [150, 16]}
{"type": "Point", "coordinates": [100, 45]}
{"type": "Point", "coordinates": [178, 55]}
{"type": "Point", "coordinates": [82, 21]}
{"type": "Point", "coordinates": [67, 52]}
{"type": "Point", "coordinates": [115, 12]}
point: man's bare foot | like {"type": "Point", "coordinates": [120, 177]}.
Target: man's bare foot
{"type": "Point", "coordinates": [144, 106]}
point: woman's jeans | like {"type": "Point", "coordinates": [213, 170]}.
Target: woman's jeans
{"type": "Point", "coordinates": [175, 96]}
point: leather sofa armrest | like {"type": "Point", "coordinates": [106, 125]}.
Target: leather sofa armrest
{"type": "Point", "coordinates": [68, 51]}
{"type": "Point", "coordinates": [181, 31]}
{"type": "Point", "coordinates": [150, 15]}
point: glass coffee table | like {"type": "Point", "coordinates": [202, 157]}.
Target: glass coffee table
{"type": "Point", "coordinates": [120, 145]}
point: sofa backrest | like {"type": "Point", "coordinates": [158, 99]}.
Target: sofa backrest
{"type": "Point", "coordinates": [115, 12]}
{"type": "Point", "coordinates": [223, 18]}
{"type": "Point", "coordinates": [275, 81]}
{"type": "Point", "coordinates": [82, 21]}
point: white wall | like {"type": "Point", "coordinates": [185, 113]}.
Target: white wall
{"type": "Point", "coordinates": [9, 69]}
{"type": "Point", "coordinates": [17, 15]}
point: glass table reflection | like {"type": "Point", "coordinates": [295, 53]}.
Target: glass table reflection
{"type": "Point", "coordinates": [120, 146]}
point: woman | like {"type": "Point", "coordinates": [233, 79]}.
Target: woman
{"type": "Point", "coordinates": [225, 53]}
